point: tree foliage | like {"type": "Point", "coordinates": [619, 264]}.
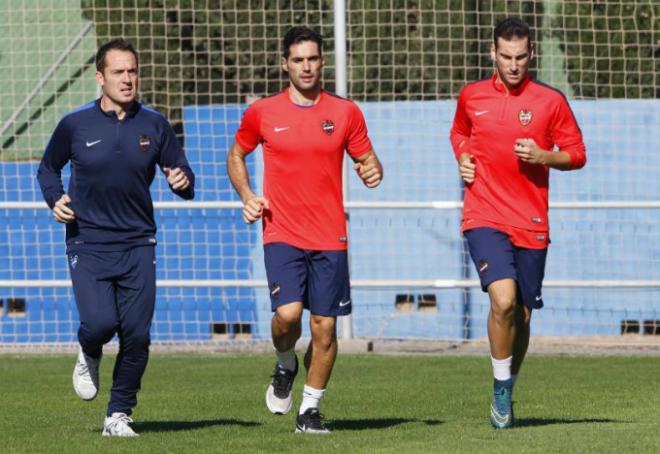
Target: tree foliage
{"type": "Point", "coordinates": [221, 51]}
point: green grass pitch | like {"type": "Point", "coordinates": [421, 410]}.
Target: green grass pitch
{"type": "Point", "coordinates": [375, 404]}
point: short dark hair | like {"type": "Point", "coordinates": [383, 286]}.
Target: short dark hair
{"type": "Point", "coordinates": [509, 28]}
{"type": "Point", "coordinates": [297, 35]}
{"type": "Point", "coordinates": [115, 44]}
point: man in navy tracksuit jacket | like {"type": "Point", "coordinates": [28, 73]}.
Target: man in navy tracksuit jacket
{"type": "Point", "coordinates": [114, 145]}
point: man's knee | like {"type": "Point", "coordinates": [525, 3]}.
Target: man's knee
{"type": "Point", "coordinates": [288, 316]}
{"type": "Point", "coordinates": [502, 295]}
{"type": "Point", "coordinates": [523, 315]}
{"type": "Point", "coordinates": [503, 307]}
{"type": "Point", "coordinates": [96, 333]}
{"type": "Point", "coordinates": [323, 329]}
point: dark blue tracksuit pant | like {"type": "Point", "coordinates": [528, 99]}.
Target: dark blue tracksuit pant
{"type": "Point", "coordinates": [115, 294]}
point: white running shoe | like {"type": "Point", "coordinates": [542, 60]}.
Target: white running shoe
{"type": "Point", "coordinates": [278, 394]}
{"type": "Point", "coordinates": [117, 425]}
{"type": "Point", "coordinates": [86, 376]}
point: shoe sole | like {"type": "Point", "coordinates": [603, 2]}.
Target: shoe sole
{"type": "Point", "coordinates": [498, 426]}
{"type": "Point", "coordinates": [312, 432]}
{"type": "Point", "coordinates": [108, 434]}
{"type": "Point", "coordinates": [277, 411]}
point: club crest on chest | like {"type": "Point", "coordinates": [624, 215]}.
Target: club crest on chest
{"type": "Point", "coordinates": [144, 142]}
{"type": "Point", "coordinates": [525, 117]}
{"type": "Point", "coordinates": [328, 127]}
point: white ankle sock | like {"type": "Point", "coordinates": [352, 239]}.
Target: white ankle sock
{"type": "Point", "coordinates": [287, 359]}
{"type": "Point", "coordinates": [311, 398]}
{"type": "Point", "coordinates": [501, 368]}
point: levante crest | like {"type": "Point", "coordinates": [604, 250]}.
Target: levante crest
{"type": "Point", "coordinates": [328, 127]}
{"type": "Point", "coordinates": [525, 117]}
{"type": "Point", "coordinates": [144, 142]}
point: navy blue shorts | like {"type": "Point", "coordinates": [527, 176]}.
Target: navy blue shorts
{"type": "Point", "coordinates": [318, 279]}
{"type": "Point", "coordinates": [497, 258]}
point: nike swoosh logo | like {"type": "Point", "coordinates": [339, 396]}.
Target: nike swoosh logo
{"type": "Point", "coordinates": [91, 144]}
{"type": "Point", "coordinates": [499, 418]}
{"type": "Point", "coordinates": [344, 303]}
{"type": "Point", "coordinates": [480, 113]}
{"type": "Point", "coordinates": [538, 298]}
{"type": "Point", "coordinates": [282, 129]}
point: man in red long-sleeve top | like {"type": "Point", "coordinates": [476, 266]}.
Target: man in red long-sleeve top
{"type": "Point", "coordinates": [508, 132]}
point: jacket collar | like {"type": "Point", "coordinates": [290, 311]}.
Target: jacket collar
{"type": "Point", "coordinates": [499, 85]}
{"type": "Point", "coordinates": [135, 107]}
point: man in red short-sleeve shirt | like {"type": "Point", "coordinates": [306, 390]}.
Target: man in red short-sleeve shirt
{"type": "Point", "coordinates": [304, 132]}
{"type": "Point", "coordinates": [504, 136]}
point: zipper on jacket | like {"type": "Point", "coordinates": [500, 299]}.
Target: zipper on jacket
{"type": "Point", "coordinates": [504, 109]}
{"type": "Point", "coordinates": [117, 136]}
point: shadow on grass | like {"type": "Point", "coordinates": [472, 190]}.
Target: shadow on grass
{"type": "Point", "coordinates": [531, 422]}
{"type": "Point", "coordinates": [172, 426]}
{"type": "Point", "coordinates": [377, 423]}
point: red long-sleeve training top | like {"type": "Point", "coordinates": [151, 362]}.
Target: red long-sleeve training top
{"type": "Point", "coordinates": [507, 193]}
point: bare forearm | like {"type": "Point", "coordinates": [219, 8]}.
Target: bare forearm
{"type": "Point", "coordinates": [238, 174]}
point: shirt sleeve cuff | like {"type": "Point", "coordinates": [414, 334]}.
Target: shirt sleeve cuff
{"type": "Point", "coordinates": [460, 149]}
{"type": "Point", "coordinates": [246, 147]}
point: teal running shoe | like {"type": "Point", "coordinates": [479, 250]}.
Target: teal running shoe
{"type": "Point", "coordinates": [501, 408]}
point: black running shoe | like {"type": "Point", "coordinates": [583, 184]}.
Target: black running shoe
{"type": "Point", "coordinates": [311, 422]}
{"type": "Point", "coordinates": [278, 395]}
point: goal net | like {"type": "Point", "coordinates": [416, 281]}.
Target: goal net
{"type": "Point", "coordinates": [203, 61]}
